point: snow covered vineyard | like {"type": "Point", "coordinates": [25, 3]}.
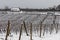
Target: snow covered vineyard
{"type": "Point", "coordinates": [37, 25]}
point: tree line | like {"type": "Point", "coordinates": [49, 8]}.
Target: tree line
{"type": "Point", "coordinates": [57, 8]}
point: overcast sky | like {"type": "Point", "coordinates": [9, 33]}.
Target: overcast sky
{"type": "Point", "coordinates": [29, 3]}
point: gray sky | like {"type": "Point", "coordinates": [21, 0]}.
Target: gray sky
{"type": "Point", "coordinates": [29, 3]}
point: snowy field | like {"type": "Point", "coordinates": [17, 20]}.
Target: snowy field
{"type": "Point", "coordinates": [16, 19]}
{"type": "Point", "coordinates": [47, 36]}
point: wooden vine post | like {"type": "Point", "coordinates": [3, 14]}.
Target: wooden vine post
{"type": "Point", "coordinates": [20, 32]}
{"type": "Point", "coordinates": [31, 31]}
{"type": "Point", "coordinates": [7, 30]}
{"type": "Point", "coordinates": [22, 25]}
{"type": "Point", "coordinates": [40, 29]}
{"type": "Point", "coordinates": [57, 29]}
{"type": "Point", "coordinates": [42, 23]}
{"type": "Point", "coordinates": [44, 29]}
{"type": "Point", "coordinates": [51, 28]}
{"type": "Point", "coordinates": [25, 27]}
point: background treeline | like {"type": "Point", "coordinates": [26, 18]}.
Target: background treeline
{"type": "Point", "coordinates": [39, 10]}
{"type": "Point", "coordinates": [57, 8]}
{"type": "Point", "coordinates": [25, 9]}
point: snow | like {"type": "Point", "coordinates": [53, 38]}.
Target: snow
{"type": "Point", "coordinates": [16, 17]}
{"type": "Point", "coordinates": [47, 36]}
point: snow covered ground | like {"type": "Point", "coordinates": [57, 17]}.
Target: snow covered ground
{"type": "Point", "coordinates": [47, 36]}
{"type": "Point", "coordinates": [33, 17]}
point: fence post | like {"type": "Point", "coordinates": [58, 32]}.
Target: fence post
{"type": "Point", "coordinates": [57, 29]}
{"type": "Point", "coordinates": [41, 23]}
{"type": "Point", "coordinates": [31, 31]}
{"type": "Point", "coordinates": [20, 31]}
{"type": "Point", "coordinates": [51, 28]}
{"type": "Point", "coordinates": [37, 30]}
{"type": "Point", "coordinates": [44, 29]}
{"type": "Point", "coordinates": [8, 30]}
{"type": "Point", "coordinates": [40, 29]}
{"type": "Point", "coordinates": [25, 27]}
